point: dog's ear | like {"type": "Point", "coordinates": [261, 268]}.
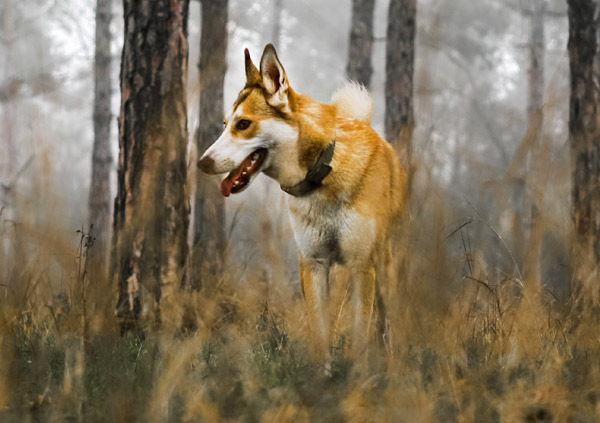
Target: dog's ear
{"type": "Point", "coordinates": [252, 74]}
{"type": "Point", "coordinates": [274, 79]}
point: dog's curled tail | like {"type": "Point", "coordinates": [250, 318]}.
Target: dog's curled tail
{"type": "Point", "coordinates": [353, 100]}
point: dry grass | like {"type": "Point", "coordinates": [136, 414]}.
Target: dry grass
{"type": "Point", "coordinates": [469, 340]}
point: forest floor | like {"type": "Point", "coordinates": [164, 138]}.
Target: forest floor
{"type": "Point", "coordinates": [459, 346]}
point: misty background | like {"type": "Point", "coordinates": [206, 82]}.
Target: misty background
{"type": "Point", "coordinates": [470, 102]}
{"type": "Point", "coordinates": [486, 319]}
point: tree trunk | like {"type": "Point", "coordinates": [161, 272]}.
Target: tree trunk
{"type": "Point", "coordinates": [536, 60]}
{"type": "Point", "coordinates": [538, 157]}
{"type": "Point", "coordinates": [7, 143]}
{"type": "Point", "coordinates": [151, 208]}
{"type": "Point", "coordinates": [277, 9]}
{"type": "Point", "coordinates": [584, 129]}
{"type": "Point", "coordinates": [99, 198]}
{"type": "Point", "coordinates": [361, 42]}
{"type": "Point", "coordinates": [399, 72]}
{"type": "Point", "coordinates": [209, 218]}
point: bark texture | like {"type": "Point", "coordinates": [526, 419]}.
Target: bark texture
{"type": "Point", "coordinates": [359, 66]}
{"type": "Point", "coordinates": [209, 220]}
{"type": "Point", "coordinates": [99, 197]}
{"type": "Point", "coordinates": [399, 73]}
{"type": "Point", "coordinates": [584, 125]}
{"type": "Point", "coordinates": [151, 208]}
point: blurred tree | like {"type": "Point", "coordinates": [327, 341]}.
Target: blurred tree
{"type": "Point", "coordinates": [99, 197]}
{"type": "Point", "coordinates": [151, 208]}
{"type": "Point", "coordinates": [209, 219]}
{"type": "Point", "coordinates": [538, 156]}
{"type": "Point", "coordinates": [535, 87]}
{"type": "Point", "coordinates": [8, 91]}
{"type": "Point", "coordinates": [360, 48]}
{"type": "Point", "coordinates": [584, 128]}
{"type": "Point", "coordinates": [277, 10]}
{"type": "Point", "coordinates": [536, 67]}
{"type": "Point", "coordinates": [399, 73]}
{"type": "Point", "coordinates": [525, 181]}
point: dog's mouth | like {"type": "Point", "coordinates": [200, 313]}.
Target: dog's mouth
{"type": "Point", "coordinates": [239, 178]}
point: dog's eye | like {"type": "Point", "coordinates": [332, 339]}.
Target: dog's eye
{"type": "Point", "coordinates": [242, 124]}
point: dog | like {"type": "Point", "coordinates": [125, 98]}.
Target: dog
{"type": "Point", "coordinates": [345, 183]}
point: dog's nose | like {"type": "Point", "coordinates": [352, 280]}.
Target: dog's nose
{"type": "Point", "coordinates": [206, 164]}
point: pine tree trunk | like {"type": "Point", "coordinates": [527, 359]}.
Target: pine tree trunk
{"type": "Point", "coordinates": [359, 66]}
{"type": "Point", "coordinates": [99, 197]}
{"type": "Point", "coordinates": [399, 72]}
{"type": "Point", "coordinates": [151, 208]}
{"type": "Point", "coordinates": [9, 156]}
{"type": "Point", "coordinates": [539, 157]}
{"type": "Point", "coordinates": [536, 60]}
{"type": "Point", "coordinates": [584, 130]}
{"type": "Point", "coordinates": [277, 11]}
{"type": "Point", "coordinates": [209, 219]}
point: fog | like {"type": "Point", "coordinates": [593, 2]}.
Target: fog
{"type": "Point", "coordinates": [459, 305]}
{"type": "Point", "coordinates": [471, 82]}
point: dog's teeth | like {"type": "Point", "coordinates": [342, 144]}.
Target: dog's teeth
{"type": "Point", "coordinates": [236, 183]}
{"type": "Point", "coordinates": [244, 173]}
{"type": "Point", "coordinates": [253, 161]}
{"type": "Point", "coordinates": [255, 156]}
{"type": "Point", "coordinates": [248, 168]}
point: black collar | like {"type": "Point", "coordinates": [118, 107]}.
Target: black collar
{"type": "Point", "coordinates": [315, 175]}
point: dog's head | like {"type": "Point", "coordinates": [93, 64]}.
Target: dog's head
{"type": "Point", "coordinates": [260, 132]}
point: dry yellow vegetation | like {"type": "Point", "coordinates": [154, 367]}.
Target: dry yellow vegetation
{"type": "Point", "coordinates": [462, 343]}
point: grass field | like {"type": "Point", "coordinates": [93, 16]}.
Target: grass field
{"type": "Point", "coordinates": [463, 344]}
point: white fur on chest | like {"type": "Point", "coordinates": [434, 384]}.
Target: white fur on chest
{"type": "Point", "coordinates": [330, 232]}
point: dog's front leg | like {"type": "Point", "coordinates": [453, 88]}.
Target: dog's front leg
{"type": "Point", "coordinates": [314, 282]}
{"type": "Point", "coordinates": [363, 295]}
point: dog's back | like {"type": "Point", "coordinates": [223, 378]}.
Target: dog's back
{"type": "Point", "coordinates": [366, 174]}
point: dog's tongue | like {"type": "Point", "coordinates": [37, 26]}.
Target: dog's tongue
{"type": "Point", "coordinates": [227, 183]}
{"type": "Point", "coordinates": [226, 186]}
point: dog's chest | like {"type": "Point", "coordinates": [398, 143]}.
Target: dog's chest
{"type": "Point", "coordinates": [331, 232]}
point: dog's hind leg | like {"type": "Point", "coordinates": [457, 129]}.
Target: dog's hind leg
{"type": "Point", "coordinates": [314, 282]}
{"type": "Point", "coordinates": [383, 291]}
{"type": "Point", "coordinates": [381, 316]}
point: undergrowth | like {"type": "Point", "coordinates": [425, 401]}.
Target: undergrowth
{"type": "Point", "coordinates": [462, 345]}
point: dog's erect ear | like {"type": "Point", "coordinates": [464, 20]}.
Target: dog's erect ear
{"type": "Point", "coordinates": [274, 79]}
{"type": "Point", "coordinates": [252, 74]}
